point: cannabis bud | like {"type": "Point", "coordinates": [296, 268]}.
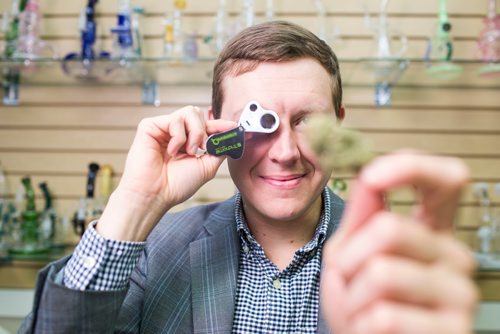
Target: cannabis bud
{"type": "Point", "coordinates": [337, 146]}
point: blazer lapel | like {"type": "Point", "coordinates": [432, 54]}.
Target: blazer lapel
{"type": "Point", "coordinates": [214, 272]}
{"type": "Point", "coordinates": [336, 211]}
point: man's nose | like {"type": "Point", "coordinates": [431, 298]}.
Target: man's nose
{"type": "Point", "coordinates": [284, 145]}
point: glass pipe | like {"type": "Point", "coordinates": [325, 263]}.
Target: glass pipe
{"type": "Point", "coordinates": [440, 47]}
{"type": "Point", "coordinates": [387, 66]}
{"type": "Point", "coordinates": [439, 52]}
{"type": "Point", "coordinates": [3, 184]}
{"type": "Point", "coordinates": [249, 13]}
{"type": "Point", "coordinates": [11, 26]}
{"type": "Point", "coordinates": [82, 65]}
{"type": "Point", "coordinates": [30, 216]}
{"type": "Point", "coordinates": [246, 18]}
{"type": "Point", "coordinates": [48, 216]}
{"type": "Point", "coordinates": [106, 188]}
{"type": "Point", "coordinates": [87, 209]}
{"type": "Point", "coordinates": [30, 46]}
{"type": "Point", "coordinates": [488, 42]}
{"type": "Point", "coordinates": [137, 13]}
{"type": "Point", "coordinates": [190, 48]}
{"type": "Point", "coordinates": [220, 35]}
{"type": "Point", "coordinates": [489, 38]}
{"type": "Point", "coordinates": [11, 75]}
{"type": "Point", "coordinates": [4, 219]}
{"type": "Point", "coordinates": [4, 27]}
{"type": "Point", "coordinates": [123, 42]}
{"type": "Point", "coordinates": [269, 10]}
{"type": "Point", "coordinates": [173, 41]}
{"type": "Point", "coordinates": [485, 231]}
{"type": "Point", "coordinates": [383, 35]}
{"type": "Point", "coordinates": [321, 15]}
{"type": "Point", "coordinates": [88, 29]}
{"type": "Point", "coordinates": [10, 83]}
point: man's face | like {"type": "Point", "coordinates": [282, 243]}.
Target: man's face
{"type": "Point", "coordinates": [278, 175]}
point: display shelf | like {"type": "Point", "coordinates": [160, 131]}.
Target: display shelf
{"type": "Point", "coordinates": [110, 71]}
{"type": "Point", "coordinates": [154, 72]}
{"type": "Point", "coordinates": [419, 73]}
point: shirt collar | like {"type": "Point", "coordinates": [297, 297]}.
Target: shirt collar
{"type": "Point", "coordinates": [318, 239]}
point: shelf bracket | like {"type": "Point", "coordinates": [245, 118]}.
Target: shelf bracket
{"type": "Point", "coordinates": [150, 93]}
{"type": "Point", "coordinates": [10, 83]}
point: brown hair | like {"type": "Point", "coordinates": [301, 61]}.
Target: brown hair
{"type": "Point", "coordinates": [273, 41]}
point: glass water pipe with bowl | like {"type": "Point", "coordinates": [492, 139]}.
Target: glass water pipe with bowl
{"type": "Point", "coordinates": [123, 40]}
{"type": "Point", "coordinates": [30, 243]}
{"type": "Point", "coordinates": [246, 18]}
{"type": "Point", "coordinates": [327, 32]}
{"type": "Point", "coordinates": [487, 248]}
{"type": "Point", "coordinates": [83, 65]}
{"type": "Point", "coordinates": [30, 47]}
{"type": "Point", "coordinates": [488, 42]}
{"type": "Point", "coordinates": [439, 52]}
{"type": "Point", "coordinates": [387, 64]}
{"type": "Point", "coordinates": [11, 75]}
{"type": "Point", "coordinates": [221, 32]}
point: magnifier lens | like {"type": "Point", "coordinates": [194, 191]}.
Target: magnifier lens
{"type": "Point", "coordinates": [267, 121]}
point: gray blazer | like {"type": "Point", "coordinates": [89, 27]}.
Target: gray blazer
{"type": "Point", "coordinates": [185, 282]}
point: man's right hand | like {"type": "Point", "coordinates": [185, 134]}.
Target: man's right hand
{"type": "Point", "coordinates": [161, 170]}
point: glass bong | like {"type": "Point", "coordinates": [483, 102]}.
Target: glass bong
{"type": "Point", "coordinates": [83, 65]}
{"type": "Point", "coordinates": [11, 76]}
{"type": "Point", "coordinates": [439, 52]}
{"type": "Point", "coordinates": [488, 42]}
{"type": "Point", "coordinates": [30, 243]}
{"type": "Point", "coordinates": [387, 65]}
{"type": "Point", "coordinates": [29, 45]}
{"type": "Point", "coordinates": [488, 233]}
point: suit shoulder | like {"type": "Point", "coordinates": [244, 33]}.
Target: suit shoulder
{"type": "Point", "coordinates": [190, 223]}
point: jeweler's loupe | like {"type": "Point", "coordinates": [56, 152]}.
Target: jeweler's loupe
{"type": "Point", "coordinates": [254, 118]}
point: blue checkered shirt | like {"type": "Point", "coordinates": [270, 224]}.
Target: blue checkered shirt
{"type": "Point", "coordinates": [272, 301]}
{"type": "Point", "coordinates": [101, 264]}
{"type": "Point", "coordinates": [267, 300]}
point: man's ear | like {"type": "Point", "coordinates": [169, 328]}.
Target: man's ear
{"type": "Point", "coordinates": [210, 114]}
{"type": "Point", "coordinates": [341, 113]}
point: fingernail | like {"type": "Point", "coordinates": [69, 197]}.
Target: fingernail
{"type": "Point", "coordinates": [372, 173]}
{"type": "Point", "coordinates": [199, 152]}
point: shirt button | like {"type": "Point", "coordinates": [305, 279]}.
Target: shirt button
{"type": "Point", "coordinates": [88, 262]}
{"type": "Point", "coordinates": [245, 249]}
{"type": "Point", "coordinates": [277, 283]}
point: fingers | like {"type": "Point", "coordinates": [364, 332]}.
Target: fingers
{"type": "Point", "coordinates": [392, 317]}
{"type": "Point", "coordinates": [387, 233]}
{"type": "Point", "coordinates": [438, 181]}
{"type": "Point", "coordinates": [430, 286]}
{"type": "Point", "coordinates": [396, 259]}
{"type": "Point", "coordinates": [184, 131]}
{"type": "Point", "coordinates": [400, 274]}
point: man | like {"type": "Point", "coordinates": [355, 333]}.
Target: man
{"type": "Point", "coordinates": [252, 264]}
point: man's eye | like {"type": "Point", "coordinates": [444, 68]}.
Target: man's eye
{"type": "Point", "coordinates": [302, 121]}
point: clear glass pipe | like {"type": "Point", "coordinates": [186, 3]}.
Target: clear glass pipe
{"type": "Point", "coordinates": [489, 38]}
{"type": "Point", "coordinates": [484, 232]}
{"type": "Point", "coordinates": [321, 15]}
{"type": "Point", "coordinates": [387, 67]}
{"type": "Point", "coordinates": [269, 10]}
{"type": "Point", "coordinates": [249, 13]}
{"type": "Point", "coordinates": [30, 46]}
